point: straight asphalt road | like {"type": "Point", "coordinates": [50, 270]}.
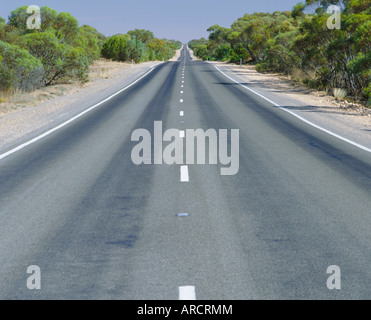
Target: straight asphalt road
{"type": "Point", "coordinates": [99, 226]}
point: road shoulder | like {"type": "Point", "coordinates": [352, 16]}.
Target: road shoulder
{"type": "Point", "coordinates": [348, 120]}
{"type": "Point", "coordinates": [34, 117]}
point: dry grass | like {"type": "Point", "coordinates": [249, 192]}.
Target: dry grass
{"type": "Point", "coordinates": [105, 69]}
{"type": "Point", "coordinates": [300, 76]}
{"type": "Point", "coordinates": [15, 97]}
{"type": "Point", "coordinates": [7, 95]}
{"type": "Point", "coordinates": [339, 94]}
{"type": "Point", "coordinates": [99, 73]}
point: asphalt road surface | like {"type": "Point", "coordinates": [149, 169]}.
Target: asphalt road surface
{"type": "Point", "coordinates": [100, 227]}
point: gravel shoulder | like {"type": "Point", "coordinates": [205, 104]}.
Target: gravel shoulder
{"type": "Point", "coordinates": [349, 120]}
{"type": "Point", "coordinates": [26, 115]}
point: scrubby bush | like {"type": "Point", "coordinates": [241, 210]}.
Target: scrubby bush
{"type": "Point", "coordinates": [64, 48]}
{"type": "Point", "coordinates": [6, 77]}
{"type": "Point", "coordinates": [19, 69]}
{"type": "Point", "coordinates": [116, 48]}
{"type": "Point", "coordinates": [139, 45]}
{"type": "Point", "coordinates": [91, 41]}
{"type": "Point", "coordinates": [60, 61]}
{"type": "Point", "coordinates": [18, 19]}
{"type": "Point", "coordinates": [289, 41]}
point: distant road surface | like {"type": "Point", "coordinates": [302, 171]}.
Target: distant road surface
{"type": "Point", "coordinates": [100, 227]}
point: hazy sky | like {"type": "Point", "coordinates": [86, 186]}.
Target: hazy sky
{"type": "Point", "coordinates": [182, 20]}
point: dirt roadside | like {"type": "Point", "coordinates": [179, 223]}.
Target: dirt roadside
{"type": "Point", "coordinates": [347, 119]}
{"type": "Point", "coordinates": [27, 113]}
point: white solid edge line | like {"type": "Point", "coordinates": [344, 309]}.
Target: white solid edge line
{"type": "Point", "coordinates": [300, 117]}
{"type": "Point", "coordinates": [187, 293]}
{"type": "Point", "coordinates": [8, 153]}
{"type": "Point", "coordinates": [184, 175]}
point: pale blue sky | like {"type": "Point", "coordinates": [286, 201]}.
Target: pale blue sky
{"type": "Point", "coordinates": [182, 20]}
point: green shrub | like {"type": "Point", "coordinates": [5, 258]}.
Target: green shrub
{"type": "Point", "coordinates": [90, 40]}
{"type": "Point", "coordinates": [18, 19]}
{"type": "Point", "coordinates": [19, 68]}
{"type": "Point", "coordinates": [61, 62]}
{"type": "Point", "coordinates": [6, 78]}
{"type": "Point", "coordinates": [124, 48]}
{"type": "Point", "coordinates": [116, 48]}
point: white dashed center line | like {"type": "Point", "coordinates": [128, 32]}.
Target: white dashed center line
{"type": "Point", "coordinates": [187, 293]}
{"type": "Point", "coordinates": [183, 215]}
{"type": "Point", "coordinates": [181, 113]}
{"type": "Point", "coordinates": [184, 176]}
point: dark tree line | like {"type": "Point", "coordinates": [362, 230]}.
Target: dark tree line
{"type": "Point", "coordinates": [299, 42]}
{"type": "Point", "coordinates": [139, 45]}
{"type": "Point", "coordinates": [62, 51]}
